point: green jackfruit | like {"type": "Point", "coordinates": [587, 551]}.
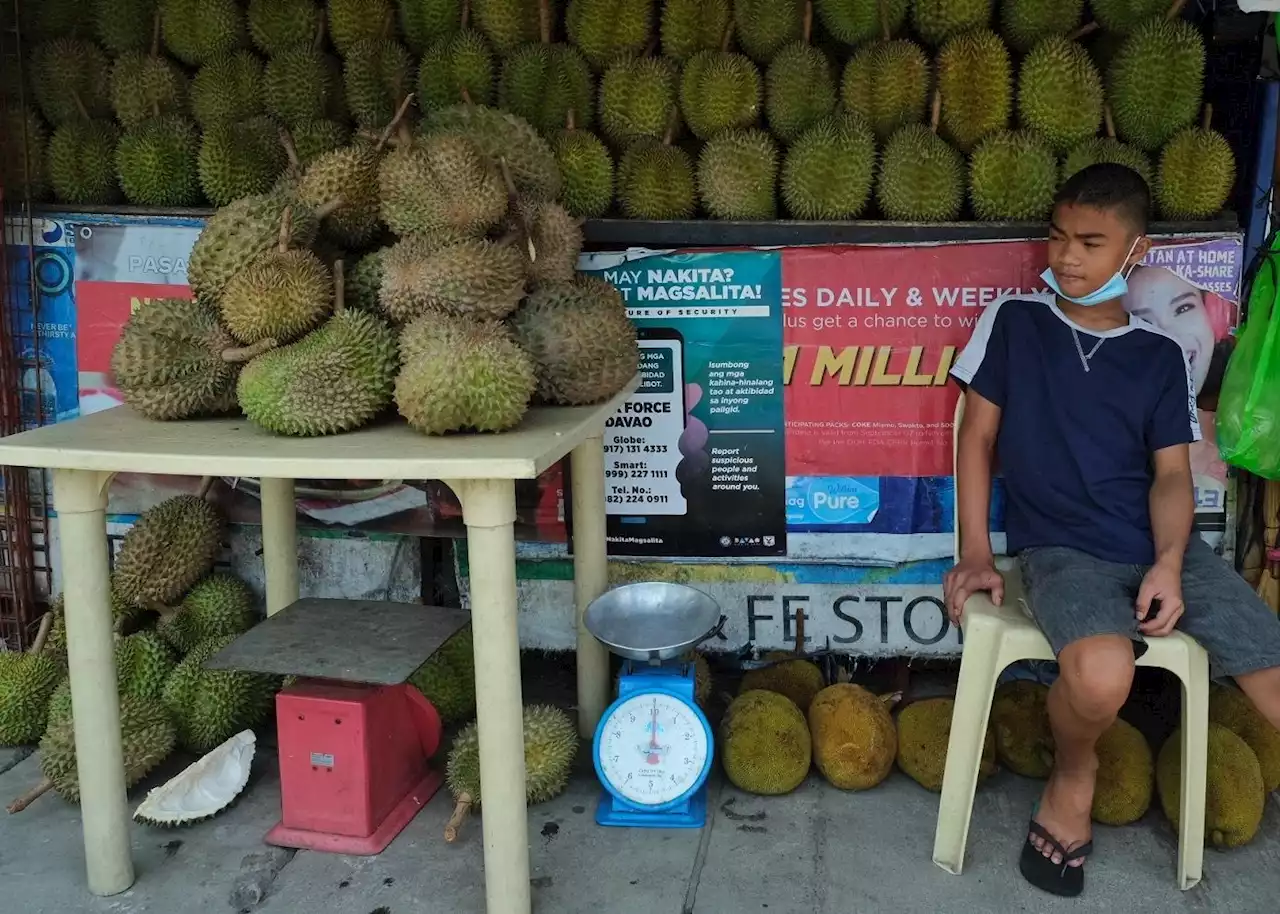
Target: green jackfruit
{"type": "Point", "coordinates": [425, 23]}
{"type": "Point", "coordinates": [738, 175]}
{"type": "Point", "coordinates": [855, 741]}
{"type": "Point", "coordinates": [937, 21]}
{"type": "Point", "coordinates": [144, 86]}
{"type": "Point", "coordinates": [211, 706]}
{"type": "Point", "coordinates": [924, 730]}
{"type": "Point", "coordinates": [764, 744]}
{"type": "Point", "coordinates": [461, 62]}
{"type": "Point", "coordinates": [1126, 775]}
{"type": "Point", "coordinates": [855, 22]}
{"type": "Point", "coordinates": [798, 679]}
{"type": "Point", "coordinates": [227, 89]}
{"type": "Point", "coordinates": [609, 30]}
{"type": "Point", "coordinates": [1235, 796]}
{"type": "Point", "coordinates": [1024, 740]}
{"type": "Point", "coordinates": [82, 163]}
{"type": "Point", "coordinates": [638, 99]}
{"type": "Point", "coordinates": [71, 81]}
{"type": "Point", "coordinates": [158, 162]}
{"type": "Point", "coordinates": [829, 171]}
{"type": "Point", "coordinates": [1155, 82]}
{"type": "Point", "coordinates": [1026, 23]}
{"type": "Point", "coordinates": [763, 27]}
{"type": "Point", "coordinates": [198, 31]}
{"type": "Point", "coordinates": [354, 21]}
{"type": "Point", "coordinates": [888, 84]}
{"type": "Point", "coordinates": [1231, 708]}
{"type": "Point", "coordinates": [542, 83]}
{"type": "Point", "coordinates": [1060, 93]}
{"type": "Point", "coordinates": [240, 159]}
{"type": "Point", "coordinates": [975, 77]}
{"type": "Point", "coordinates": [720, 91]}
{"type": "Point", "coordinates": [278, 25]}
{"type": "Point", "coordinates": [656, 181]}
{"type": "Point", "coordinates": [587, 170]}
{"type": "Point", "coordinates": [1197, 173]}
{"type": "Point", "coordinates": [1013, 175]}
{"type": "Point", "coordinates": [690, 26]}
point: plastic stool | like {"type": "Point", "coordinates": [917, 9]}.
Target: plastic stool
{"type": "Point", "coordinates": [996, 636]}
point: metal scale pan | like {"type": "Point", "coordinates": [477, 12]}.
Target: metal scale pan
{"type": "Point", "coordinates": [653, 621]}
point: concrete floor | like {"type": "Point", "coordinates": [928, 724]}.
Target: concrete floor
{"type": "Point", "coordinates": [815, 851]}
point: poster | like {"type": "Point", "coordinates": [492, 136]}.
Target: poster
{"type": "Point", "coordinates": [695, 460]}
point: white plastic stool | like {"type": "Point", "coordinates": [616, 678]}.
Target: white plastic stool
{"type": "Point", "coordinates": [996, 636]}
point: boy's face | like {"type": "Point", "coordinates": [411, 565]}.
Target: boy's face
{"type": "Point", "coordinates": [1087, 245]}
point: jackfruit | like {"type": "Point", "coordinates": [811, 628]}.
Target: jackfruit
{"type": "Point", "coordinates": [690, 26]}
{"type": "Point", "coordinates": [924, 731]}
{"type": "Point", "coordinates": [1126, 775]}
{"type": "Point", "coordinates": [462, 374]}
{"type": "Point", "coordinates": [1235, 796]}
{"type": "Point", "coordinates": [638, 99]}
{"type": "Point", "coordinates": [975, 77]}
{"type": "Point", "coordinates": [719, 91]}
{"type": "Point", "coordinates": [427, 22]}
{"type": "Point", "coordinates": [210, 706]}
{"type": "Point", "coordinates": [144, 86]}
{"type": "Point", "coordinates": [554, 236]}
{"type": "Point", "coordinates": [476, 278]}
{"type": "Point", "coordinates": [120, 26]}
{"type": "Point", "coordinates": [505, 137]}
{"type": "Point", "coordinates": [1123, 16]}
{"type": "Point", "coordinates": [855, 22]}
{"type": "Point", "coordinates": [441, 183]}
{"type": "Point", "coordinates": [312, 139]}
{"type": "Point", "coordinates": [447, 678]}
{"type": "Point", "coordinates": [354, 21]}
{"type": "Point", "coordinates": [1026, 23]}
{"type": "Point", "coordinates": [301, 84]}
{"type": "Point", "coordinates": [888, 84]}
{"type": "Point", "coordinates": [227, 89]}
{"type": "Point", "coordinates": [24, 166]}
{"type": "Point", "coordinates": [1060, 93]}
{"type": "Point", "coordinates": [71, 81]}
{"type": "Point", "coordinates": [763, 27]}
{"type": "Point", "coordinates": [1106, 149]}
{"type": "Point", "coordinates": [765, 746]}
{"type": "Point", "coordinates": [854, 739]}
{"type": "Point", "coordinates": [158, 162]}
{"type": "Point", "coordinates": [1196, 175]}
{"type": "Point", "coordinates": [587, 171]}
{"type": "Point", "coordinates": [829, 171]}
{"type": "Point", "coordinates": [800, 87]}
{"type": "Point", "coordinates": [82, 163]}
{"type": "Point", "coordinates": [219, 604]}
{"type": "Point", "coordinates": [461, 62]}
{"type": "Point", "coordinates": [581, 339]}
{"type": "Point", "coordinates": [239, 159]}
{"type": "Point", "coordinates": [937, 21]}
{"type": "Point", "coordinates": [738, 174]}
{"type": "Point", "coordinates": [1024, 741]}
{"type": "Point", "coordinates": [797, 679]}
{"type": "Point", "coordinates": [378, 76]}
{"type": "Point", "coordinates": [1231, 708]}
{"type": "Point", "coordinates": [278, 25]}
{"type": "Point", "coordinates": [27, 682]}
{"type": "Point", "coordinates": [143, 662]}
{"type": "Point", "coordinates": [656, 181]}
{"type": "Point", "coordinates": [197, 31]}
{"type": "Point", "coordinates": [1155, 82]}
{"type": "Point", "coordinates": [508, 24]}
{"type": "Point", "coordinates": [607, 31]}
{"type": "Point", "coordinates": [1013, 175]}
{"type": "Point", "coordinates": [542, 83]}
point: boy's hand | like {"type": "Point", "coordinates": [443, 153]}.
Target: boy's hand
{"type": "Point", "coordinates": [970, 576]}
{"type": "Point", "coordinates": [1162, 583]}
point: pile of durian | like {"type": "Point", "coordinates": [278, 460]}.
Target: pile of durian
{"type": "Point", "coordinates": [907, 110]}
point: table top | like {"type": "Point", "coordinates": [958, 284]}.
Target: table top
{"type": "Point", "coordinates": [121, 440]}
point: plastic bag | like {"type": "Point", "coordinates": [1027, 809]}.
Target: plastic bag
{"type": "Point", "coordinates": [1248, 420]}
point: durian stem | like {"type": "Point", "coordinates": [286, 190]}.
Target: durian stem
{"type": "Point", "coordinates": [339, 291]}
{"type": "Point", "coordinates": [1084, 31]}
{"type": "Point", "coordinates": [245, 353]}
{"type": "Point", "coordinates": [328, 209]}
{"type": "Point", "coordinates": [460, 811]}
{"type": "Point", "coordinates": [162, 609]}
{"type": "Point", "coordinates": [1109, 121]}
{"type": "Point", "coordinates": [673, 124]}
{"type": "Point", "coordinates": [569, 120]}
{"type": "Point", "coordinates": [318, 43]}
{"type": "Point", "coordinates": [395, 122]}
{"type": "Point", "coordinates": [728, 36]}
{"type": "Point", "coordinates": [290, 150]}
{"type": "Point", "coordinates": [466, 96]}
{"type": "Point", "coordinates": [808, 21]}
{"type": "Point", "coordinates": [286, 229]}
{"type": "Point", "coordinates": [46, 623]}
{"type": "Point", "coordinates": [526, 225]}
{"type": "Point", "coordinates": [206, 483]}
{"type": "Point", "coordinates": [466, 15]}
{"type": "Point", "coordinates": [84, 112]}
{"type": "Point", "coordinates": [1207, 120]}
{"type": "Point", "coordinates": [935, 116]}
{"type": "Point", "coordinates": [30, 796]}
{"type": "Point", "coordinates": [544, 21]}
{"type": "Point", "coordinates": [1176, 10]}
{"type": "Point", "coordinates": [155, 35]}
{"type": "Point", "coordinates": [885, 31]}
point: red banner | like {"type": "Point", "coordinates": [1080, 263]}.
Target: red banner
{"type": "Point", "coordinates": [102, 307]}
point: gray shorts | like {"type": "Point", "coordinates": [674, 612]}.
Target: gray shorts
{"type": "Point", "coordinates": [1073, 595]}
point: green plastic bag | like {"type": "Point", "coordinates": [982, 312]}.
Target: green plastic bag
{"type": "Point", "coordinates": [1248, 420]}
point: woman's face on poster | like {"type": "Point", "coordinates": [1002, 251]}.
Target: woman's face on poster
{"type": "Point", "coordinates": [1167, 300]}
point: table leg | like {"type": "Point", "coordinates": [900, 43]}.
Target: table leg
{"type": "Point", "coordinates": [489, 511]}
{"type": "Point", "coordinates": [279, 543]}
{"type": "Point", "coordinates": [80, 498]}
{"type": "Point", "coordinates": [590, 579]}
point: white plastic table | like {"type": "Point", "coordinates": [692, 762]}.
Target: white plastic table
{"type": "Point", "coordinates": [85, 453]}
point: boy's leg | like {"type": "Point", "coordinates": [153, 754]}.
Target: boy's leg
{"type": "Point", "coordinates": [1085, 608]}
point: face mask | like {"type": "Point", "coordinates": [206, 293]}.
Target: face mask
{"type": "Point", "coordinates": [1114, 287]}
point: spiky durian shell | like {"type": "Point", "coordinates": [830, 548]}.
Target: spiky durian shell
{"type": "Point", "coordinates": [921, 178]}
{"type": "Point", "coordinates": [1196, 176]}
{"type": "Point", "coordinates": [888, 84]}
{"type": "Point", "coordinates": [975, 77]}
{"type": "Point", "coordinates": [1156, 81]}
{"type": "Point", "coordinates": [1012, 177]}
{"type": "Point", "coordinates": [1060, 93]}
{"type": "Point", "coordinates": [829, 171]}
{"type": "Point", "coordinates": [657, 182]}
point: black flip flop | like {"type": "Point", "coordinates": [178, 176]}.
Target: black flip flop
{"type": "Point", "coordinates": [1055, 878]}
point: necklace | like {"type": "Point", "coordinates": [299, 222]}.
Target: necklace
{"type": "Point", "coordinates": [1084, 358]}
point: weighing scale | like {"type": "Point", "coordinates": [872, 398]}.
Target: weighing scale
{"type": "Point", "coordinates": [653, 747]}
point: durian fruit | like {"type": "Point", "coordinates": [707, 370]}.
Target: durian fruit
{"type": "Point", "coordinates": [24, 166]}
{"type": "Point", "coordinates": [1197, 173]}
{"type": "Point", "coordinates": [143, 662]}
{"type": "Point", "coordinates": [27, 682]}
{"type": "Point", "coordinates": [172, 545]}
{"type": "Point", "coordinates": [219, 604]}
{"type": "Point", "coordinates": [364, 282]}
{"type": "Point", "coordinates": [544, 81]}
{"type": "Point", "coordinates": [922, 177]}
{"type": "Point", "coordinates": [302, 84]}
{"type": "Point", "coordinates": [378, 76]}
{"type": "Point", "coordinates": [335, 379]}
{"type": "Point", "coordinates": [854, 22]}
{"type": "Point", "coordinates": [975, 77]}
{"type": "Point", "coordinates": [638, 100]}
{"type": "Point", "coordinates": [157, 162]}
{"type": "Point", "coordinates": [720, 91]}
{"type": "Point", "coordinates": [854, 740]}
{"type": "Point", "coordinates": [354, 21]}
{"type": "Point", "coordinates": [1026, 23]}
{"type": "Point", "coordinates": [1155, 82]}
{"type": "Point", "coordinates": [471, 278]}
{"type": "Point", "coordinates": [1060, 93]}
{"type": "Point", "coordinates": [798, 679]}
{"type": "Point", "coordinates": [738, 175]}
{"type": "Point", "coordinates": [426, 22]}
{"type": "Point", "coordinates": [1013, 175]}
{"type": "Point", "coordinates": [48, 20]}
{"type": "Point", "coordinates": [800, 85]}
{"type": "Point", "coordinates": [442, 183]}
{"type": "Point", "coordinates": [227, 89]}
{"type": "Point", "coordinates": [277, 25]}
{"type": "Point", "coordinates": [447, 678]}
{"type": "Point", "coordinates": [764, 744]}
{"type": "Point", "coordinates": [145, 85]}
{"type": "Point", "coordinates": [828, 173]}
{"type": "Point", "coordinates": [462, 374]}
{"type": "Point", "coordinates": [924, 731]}
{"type": "Point", "coordinates": [1123, 16]}
{"type": "Point", "coordinates": [349, 175]}
{"type": "Point", "coordinates": [507, 24]}
{"type": "Point", "coordinates": [1024, 741]}
{"type": "Point", "coordinates": [82, 163]}
{"type": "Point", "coordinates": [937, 21]}
{"type": "Point", "coordinates": [764, 27]}
{"type": "Point", "coordinates": [888, 84]}
{"type": "Point", "coordinates": [1106, 149]}
{"type": "Point", "coordinates": [607, 31]}
{"type": "Point", "coordinates": [147, 736]}
{"type": "Point", "coordinates": [197, 31]}
{"type": "Point", "coordinates": [280, 296]}
{"type": "Point", "coordinates": [507, 138]}
{"type": "Point", "coordinates": [581, 339]}
{"type": "Point", "coordinates": [1231, 708]}
{"type": "Point", "coordinates": [312, 139]}
{"type": "Point", "coordinates": [239, 159]}
{"type": "Point", "coordinates": [60, 707]}
{"type": "Point", "coordinates": [587, 171]}
{"type": "Point", "coordinates": [552, 234]}
{"type": "Point", "coordinates": [71, 81]}
{"type": "Point", "coordinates": [210, 706]}
{"type": "Point", "coordinates": [689, 26]}
{"type": "Point", "coordinates": [120, 26]}
{"type": "Point", "coordinates": [1235, 797]}
{"type": "Point", "coordinates": [458, 62]}
{"type": "Point", "coordinates": [1126, 775]}
{"type": "Point", "coordinates": [550, 746]}
{"type": "Point", "coordinates": [657, 181]}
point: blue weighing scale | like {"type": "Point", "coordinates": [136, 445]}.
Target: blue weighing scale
{"type": "Point", "coordinates": [653, 747]}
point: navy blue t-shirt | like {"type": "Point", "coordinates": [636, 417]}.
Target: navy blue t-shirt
{"type": "Point", "coordinates": [1075, 446]}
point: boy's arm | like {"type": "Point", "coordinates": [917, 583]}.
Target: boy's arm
{"type": "Point", "coordinates": [1172, 504]}
{"type": "Point", "coordinates": [974, 450]}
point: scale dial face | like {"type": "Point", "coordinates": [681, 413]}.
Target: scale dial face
{"type": "Point", "coordinates": [653, 749]}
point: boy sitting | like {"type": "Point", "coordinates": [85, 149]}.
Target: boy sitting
{"type": "Point", "coordinates": [1091, 412]}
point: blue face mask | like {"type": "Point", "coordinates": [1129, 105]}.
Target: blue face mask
{"type": "Point", "coordinates": [1114, 287]}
